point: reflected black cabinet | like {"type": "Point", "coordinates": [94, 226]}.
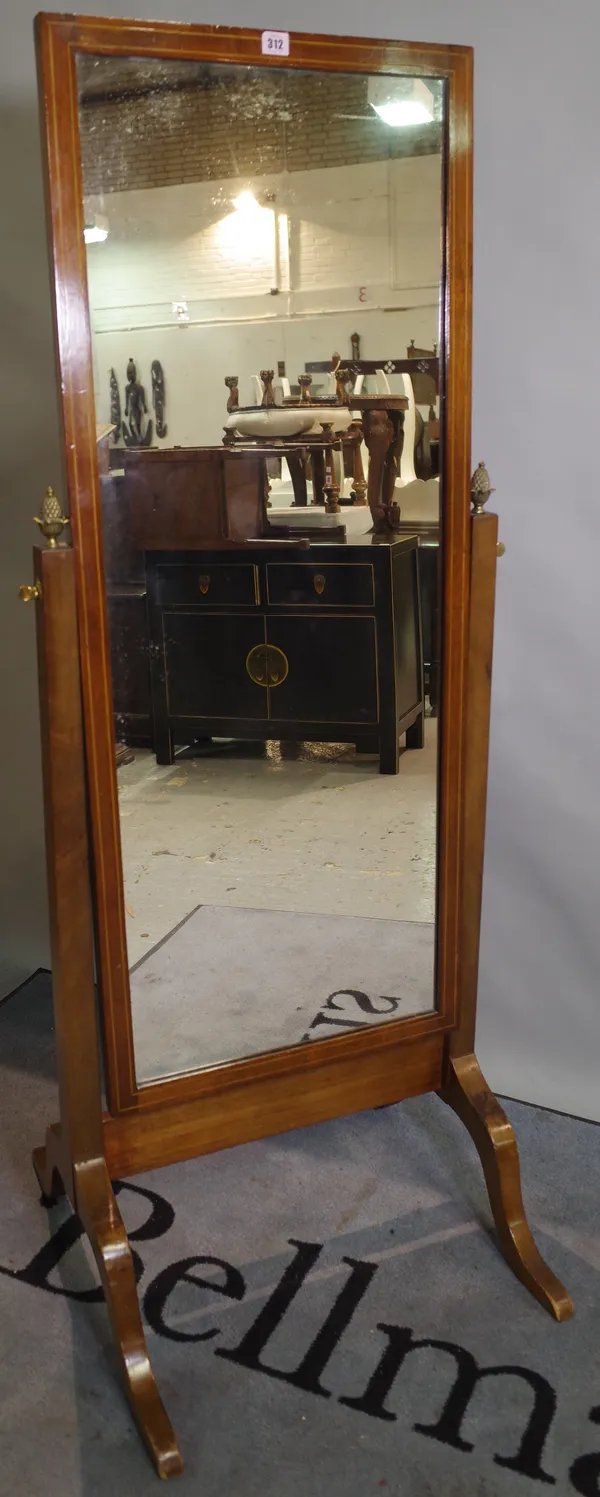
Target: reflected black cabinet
{"type": "Point", "coordinates": [127, 617]}
{"type": "Point", "coordinates": [332, 669]}
{"type": "Point", "coordinates": [323, 646]}
{"type": "Point", "coordinates": [203, 673]}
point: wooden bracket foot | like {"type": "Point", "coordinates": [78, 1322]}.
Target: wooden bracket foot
{"type": "Point", "coordinates": [467, 1093]}
{"type": "Point", "coordinates": [98, 1211]}
{"type": "Point", "coordinates": [94, 1202]}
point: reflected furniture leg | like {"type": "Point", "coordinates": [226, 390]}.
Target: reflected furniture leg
{"type": "Point", "coordinates": [380, 438]}
{"type": "Point", "coordinates": [162, 738]}
{"type": "Point", "coordinates": [317, 463]}
{"type": "Point", "coordinates": [331, 486]}
{"type": "Point", "coordinates": [296, 462]}
{"type": "Point", "coordinates": [393, 456]}
{"type": "Point", "coordinates": [389, 751]}
{"type": "Point", "coordinates": [415, 735]}
{"type": "Point", "coordinates": [463, 1087]}
{"type": "Point", "coordinates": [359, 480]}
{"type": "Point", "coordinates": [72, 1161]}
{"type": "Point", "coordinates": [163, 747]}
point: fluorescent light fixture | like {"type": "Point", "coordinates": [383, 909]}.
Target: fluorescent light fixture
{"type": "Point", "coordinates": [95, 234]}
{"type": "Point", "coordinates": [401, 101]}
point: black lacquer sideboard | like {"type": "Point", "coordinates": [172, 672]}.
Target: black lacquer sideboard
{"type": "Point", "coordinates": [320, 644]}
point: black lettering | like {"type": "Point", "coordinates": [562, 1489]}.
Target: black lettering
{"type": "Point", "coordinates": [307, 1375]}
{"type": "Point", "coordinates": [527, 1461]}
{"type": "Point", "coordinates": [43, 1263]}
{"type": "Point", "coordinates": [253, 1343]}
{"type": "Point", "coordinates": [585, 1471]}
{"type": "Point", "coordinates": [362, 1001]}
{"type": "Point", "coordinates": [165, 1282]}
{"type": "Point", "coordinates": [340, 1023]}
{"type": "Point", "coordinates": [161, 1217]}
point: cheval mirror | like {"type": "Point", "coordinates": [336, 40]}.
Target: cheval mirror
{"type": "Point", "coordinates": [265, 657]}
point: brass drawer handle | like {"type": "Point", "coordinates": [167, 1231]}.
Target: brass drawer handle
{"type": "Point", "coordinates": [319, 583]}
{"type": "Point", "coordinates": [204, 582]}
{"type": "Point", "coordinates": [267, 665]}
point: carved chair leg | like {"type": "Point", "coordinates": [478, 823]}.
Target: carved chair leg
{"type": "Point", "coordinates": [379, 434]}
{"type": "Point", "coordinates": [467, 1093]}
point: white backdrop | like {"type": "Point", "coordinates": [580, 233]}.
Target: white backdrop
{"type": "Point", "coordinates": [536, 372]}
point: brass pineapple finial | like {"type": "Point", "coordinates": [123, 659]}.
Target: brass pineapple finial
{"type": "Point", "coordinates": [52, 521]}
{"type": "Point", "coordinates": [481, 488]}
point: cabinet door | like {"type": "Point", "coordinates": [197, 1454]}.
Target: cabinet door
{"type": "Point", "coordinates": [332, 669]}
{"type": "Point", "coordinates": [205, 664]}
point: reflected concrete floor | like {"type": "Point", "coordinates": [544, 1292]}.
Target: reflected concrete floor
{"type": "Point", "coordinates": [231, 983]}
{"type": "Point", "coordinates": [300, 827]}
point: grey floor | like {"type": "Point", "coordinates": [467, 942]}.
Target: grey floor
{"type": "Point", "coordinates": [306, 828]}
{"type": "Point", "coordinates": [233, 982]}
{"type": "Point", "coordinates": [392, 1201]}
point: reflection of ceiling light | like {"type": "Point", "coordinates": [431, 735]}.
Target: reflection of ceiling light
{"type": "Point", "coordinates": [401, 101]}
{"type": "Point", "coordinates": [405, 112]}
{"type": "Point", "coordinates": [245, 203]}
{"type": "Point", "coordinates": [96, 229]}
{"type": "Point", "coordinates": [95, 234]}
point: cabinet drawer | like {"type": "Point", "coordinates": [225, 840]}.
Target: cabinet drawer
{"type": "Point", "coordinates": [334, 584]}
{"type": "Point", "coordinates": [219, 583]}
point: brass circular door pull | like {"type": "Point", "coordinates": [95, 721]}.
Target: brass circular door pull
{"type": "Point", "coordinates": [267, 665]}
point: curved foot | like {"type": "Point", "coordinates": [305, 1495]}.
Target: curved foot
{"type": "Point", "coordinates": [468, 1094]}
{"type": "Point", "coordinates": [99, 1214]}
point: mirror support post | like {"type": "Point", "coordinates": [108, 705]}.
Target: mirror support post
{"type": "Point", "coordinates": [465, 1088]}
{"type": "Point", "coordinates": [72, 1161]}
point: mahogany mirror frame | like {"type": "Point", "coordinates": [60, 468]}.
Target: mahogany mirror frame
{"type": "Point", "coordinates": [292, 1085]}
{"type": "Point", "coordinates": [163, 1122]}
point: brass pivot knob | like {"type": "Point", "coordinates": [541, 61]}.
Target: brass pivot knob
{"type": "Point", "coordinates": [500, 548]}
{"type": "Point", "coordinates": [30, 591]}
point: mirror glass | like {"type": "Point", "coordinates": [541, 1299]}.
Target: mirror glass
{"type": "Point", "coordinates": [264, 254]}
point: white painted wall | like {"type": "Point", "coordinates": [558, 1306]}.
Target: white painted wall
{"type": "Point", "coordinates": [536, 377]}
{"type": "Point", "coordinates": [379, 222]}
{"type": "Point", "coordinates": [197, 358]}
